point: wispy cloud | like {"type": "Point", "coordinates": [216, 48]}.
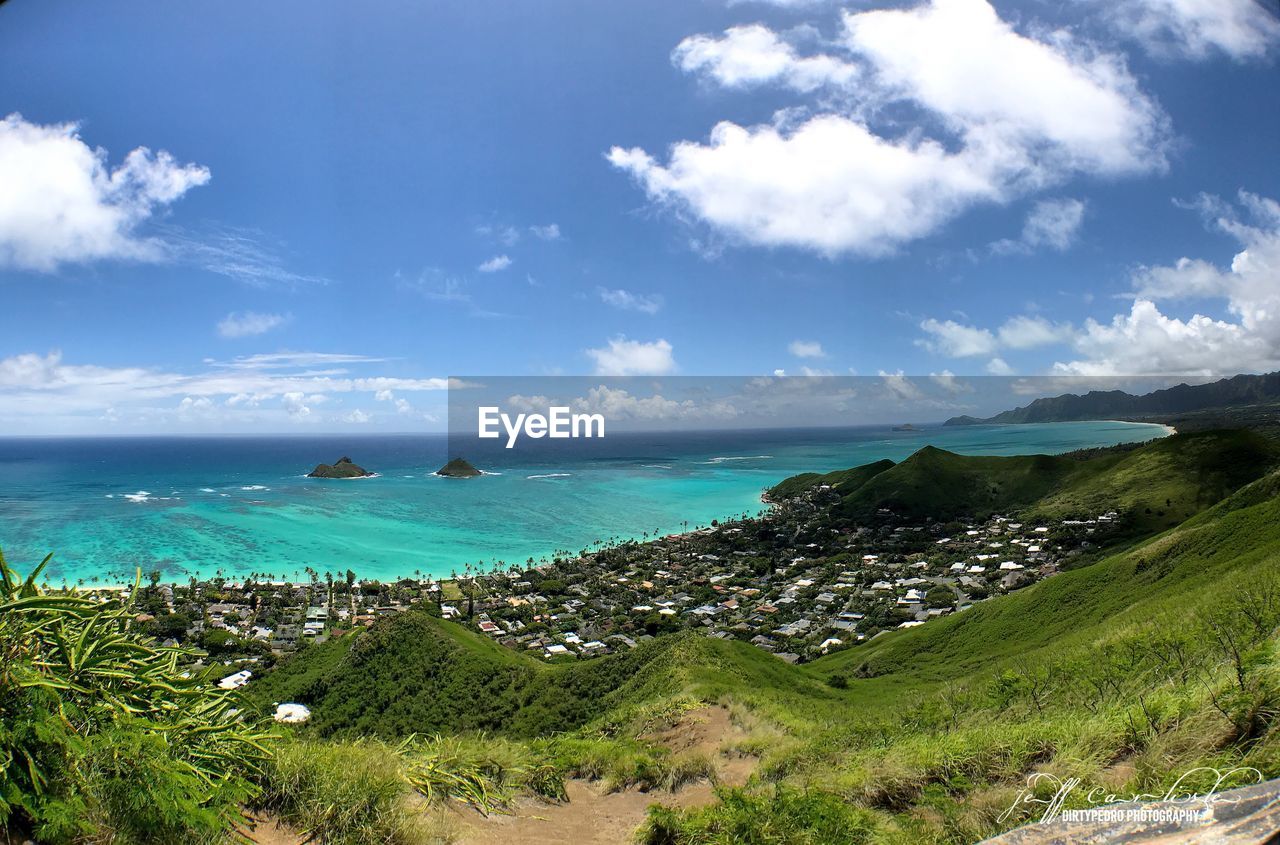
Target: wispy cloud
{"type": "Point", "coordinates": [628, 301]}
{"type": "Point", "coordinates": [246, 255]}
{"type": "Point", "coordinates": [806, 349]}
{"type": "Point", "coordinates": [250, 323]}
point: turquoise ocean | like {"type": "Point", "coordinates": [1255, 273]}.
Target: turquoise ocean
{"type": "Point", "coordinates": [237, 505]}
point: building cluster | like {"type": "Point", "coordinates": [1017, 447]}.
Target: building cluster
{"type": "Point", "coordinates": [795, 581]}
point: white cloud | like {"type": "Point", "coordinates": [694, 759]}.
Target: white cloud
{"type": "Point", "coordinates": [240, 254]}
{"type": "Point", "coordinates": [956, 340]}
{"type": "Point", "coordinates": [1000, 114]}
{"type": "Point", "coordinates": [806, 349]}
{"type": "Point", "coordinates": [62, 203]}
{"type": "Point", "coordinates": [493, 265]}
{"type": "Point", "coordinates": [1029, 332]}
{"type": "Point", "coordinates": [753, 55]}
{"type": "Point", "coordinates": [505, 235]}
{"type": "Point", "coordinates": [831, 185]}
{"type": "Point", "coordinates": [1148, 341]}
{"type": "Point", "coordinates": [1145, 340]}
{"type": "Point", "coordinates": [622, 357]}
{"type": "Point", "coordinates": [1197, 29]}
{"type": "Point", "coordinates": [1050, 223]}
{"type": "Point", "coordinates": [947, 381]}
{"type": "Point", "coordinates": [628, 301]}
{"type": "Point", "coordinates": [358, 417]}
{"type": "Point", "coordinates": [250, 323]}
{"type": "Point", "coordinates": [998, 367]}
{"type": "Point", "coordinates": [402, 406]}
{"type": "Point", "coordinates": [44, 392]}
{"type": "Point", "coordinates": [899, 386]}
{"type": "Point", "coordinates": [549, 232]}
{"type": "Point", "coordinates": [295, 404]}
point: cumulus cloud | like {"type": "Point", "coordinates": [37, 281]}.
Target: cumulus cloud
{"type": "Point", "coordinates": [897, 384]}
{"type": "Point", "coordinates": [1054, 224]}
{"type": "Point", "coordinates": [956, 340]}
{"type": "Point", "coordinates": [549, 232]}
{"type": "Point", "coordinates": [1146, 340]}
{"type": "Point", "coordinates": [250, 323]}
{"type": "Point", "coordinates": [1000, 114]}
{"type": "Point", "coordinates": [628, 301]}
{"type": "Point", "coordinates": [806, 349]}
{"type": "Point", "coordinates": [753, 55]}
{"type": "Point", "coordinates": [493, 265]}
{"type": "Point", "coordinates": [62, 202]}
{"type": "Point", "coordinates": [1198, 29]}
{"type": "Point", "coordinates": [998, 367]}
{"type": "Point", "coordinates": [295, 404]}
{"type": "Point", "coordinates": [1030, 332]}
{"type": "Point", "coordinates": [358, 417]}
{"type": "Point", "coordinates": [402, 406]}
{"type": "Point", "coordinates": [623, 357]}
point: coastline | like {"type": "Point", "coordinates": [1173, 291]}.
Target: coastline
{"type": "Point", "coordinates": [389, 531]}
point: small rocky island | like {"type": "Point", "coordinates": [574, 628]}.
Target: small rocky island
{"type": "Point", "coordinates": [905, 427]}
{"type": "Point", "coordinates": [342, 468]}
{"type": "Point", "coordinates": [458, 468]}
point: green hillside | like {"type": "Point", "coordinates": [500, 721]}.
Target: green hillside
{"type": "Point", "coordinates": [1157, 485]}
{"type": "Point", "coordinates": [843, 480]}
{"type": "Point", "coordinates": [1172, 572]}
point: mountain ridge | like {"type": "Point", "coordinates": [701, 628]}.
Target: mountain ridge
{"type": "Point", "coordinates": [1237, 391]}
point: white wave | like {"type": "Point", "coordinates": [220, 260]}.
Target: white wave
{"type": "Point", "coordinates": [255, 487]}
{"type": "Point", "coordinates": [656, 466]}
{"type": "Point", "coordinates": [723, 459]}
{"type": "Point", "coordinates": [140, 496]}
{"type": "Point", "coordinates": [551, 475]}
{"type": "Point", "coordinates": [486, 472]}
{"type": "Point", "coordinates": [207, 490]}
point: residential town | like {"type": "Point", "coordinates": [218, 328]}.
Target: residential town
{"type": "Point", "coordinates": [793, 580]}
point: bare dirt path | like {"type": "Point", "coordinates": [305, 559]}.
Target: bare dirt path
{"type": "Point", "coordinates": [593, 817]}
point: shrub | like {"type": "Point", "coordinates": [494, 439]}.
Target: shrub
{"type": "Point", "coordinates": [101, 732]}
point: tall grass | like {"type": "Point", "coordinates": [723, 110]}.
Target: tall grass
{"type": "Point", "coordinates": [102, 734]}
{"type": "Point", "coordinates": [369, 791]}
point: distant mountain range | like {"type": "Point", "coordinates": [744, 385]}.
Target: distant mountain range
{"type": "Point", "coordinates": [1232, 392]}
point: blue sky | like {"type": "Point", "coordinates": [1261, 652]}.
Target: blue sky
{"type": "Point", "coordinates": [336, 208]}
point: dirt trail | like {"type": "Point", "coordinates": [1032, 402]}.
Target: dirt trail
{"type": "Point", "coordinates": [268, 830]}
{"type": "Point", "coordinates": [592, 817]}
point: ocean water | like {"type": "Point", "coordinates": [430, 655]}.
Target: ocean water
{"type": "Point", "coordinates": [236, 505]}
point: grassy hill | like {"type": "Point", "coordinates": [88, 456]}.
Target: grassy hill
{"type": "Point", "coordinates": [1170, 573]}
{"type": "Point", "coordinates": [843, 480]}
{"type": "Point", "coordinates": [1157, 485]}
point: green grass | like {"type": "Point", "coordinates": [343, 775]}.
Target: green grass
{"type": "Point", "coordinates": [843, 480]}
{"type": "Point", "coordinates": [1157, 485]}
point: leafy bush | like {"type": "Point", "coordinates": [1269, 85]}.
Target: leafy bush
{"type": "Point", "coordinates": [101, 732]}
